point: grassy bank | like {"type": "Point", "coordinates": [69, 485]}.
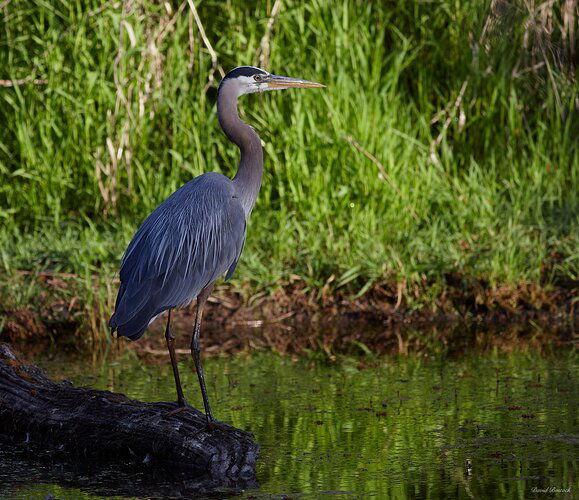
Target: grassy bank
{"type": "Point", "coordinates": [444, 148]}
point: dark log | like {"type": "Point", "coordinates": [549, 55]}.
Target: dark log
{"type": "Point", "coordinates": [104, 427]}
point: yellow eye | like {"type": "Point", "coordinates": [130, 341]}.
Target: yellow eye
{"type": "Point", "coordinates": [257, 78]}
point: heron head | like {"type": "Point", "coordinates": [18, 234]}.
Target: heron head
{"type": "Point", "coordinates": [249, 79]}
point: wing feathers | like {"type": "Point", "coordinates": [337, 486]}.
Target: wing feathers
{"type": "Point", "coordinates": [192, 238]}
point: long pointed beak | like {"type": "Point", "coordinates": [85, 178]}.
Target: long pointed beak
{"type": "Point", "coordinates": [285, 82]}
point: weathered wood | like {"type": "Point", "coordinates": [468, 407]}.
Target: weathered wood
{"type": "Point", "coordinates": [104, 426]}
{"type": "Point", "coordinates": [20, 468]}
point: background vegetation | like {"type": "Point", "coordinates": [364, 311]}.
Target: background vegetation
{"type": "Point", "coordinates": [445, 144]}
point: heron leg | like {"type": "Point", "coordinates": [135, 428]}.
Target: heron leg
{"type": "Point", "coordinates": [170, 338]}
{"type": "Point", "coordinates": [196, 352]}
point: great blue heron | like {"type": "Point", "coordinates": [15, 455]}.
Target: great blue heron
{"type": "Point", "coordinates": [197, 234]}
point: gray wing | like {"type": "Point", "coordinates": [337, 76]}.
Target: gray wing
{"type": "Point", "coordinates": [191, 239]}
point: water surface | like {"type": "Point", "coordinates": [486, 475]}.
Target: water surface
{"type": "Point", "coordinates": [482, 426]}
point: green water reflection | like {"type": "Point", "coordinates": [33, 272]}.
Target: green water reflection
{"type": "Point", "coordinates": [483, 426]}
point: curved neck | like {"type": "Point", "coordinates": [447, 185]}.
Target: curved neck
{"type": "Point", "coordinates": [248, 176]}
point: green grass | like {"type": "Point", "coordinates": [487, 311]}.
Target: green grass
{"type": "Point", "coordinates": [498, 202]}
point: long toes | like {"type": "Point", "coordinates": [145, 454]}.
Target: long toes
{"type": "Point", "coordinates": [213, 425]}
{"type": "Point", "coordinates": [181, 409]}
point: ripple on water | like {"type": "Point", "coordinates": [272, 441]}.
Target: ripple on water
{"type": "Point", "coordinates": [482, 426]}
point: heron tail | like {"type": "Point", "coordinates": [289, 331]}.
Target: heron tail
{"type": "Point", "coordinates": [132, 329]}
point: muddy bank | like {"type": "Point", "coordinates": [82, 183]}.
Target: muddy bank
{"type": "Point", "coordinates": [395, 306]}
{"type": "Point", "coordinates": [296, 319]}
{"type": "Point", "coordinates": [331, 341]}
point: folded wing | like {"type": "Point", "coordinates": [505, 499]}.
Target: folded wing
{"type": "Point", "coordinates": [191, 239]}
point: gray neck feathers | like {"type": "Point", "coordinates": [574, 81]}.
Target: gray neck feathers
{"type": "Point", "coordinates": [247, 180]}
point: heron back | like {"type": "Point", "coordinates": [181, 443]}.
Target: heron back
{"type": "Point", "coordinates": [191, 239]}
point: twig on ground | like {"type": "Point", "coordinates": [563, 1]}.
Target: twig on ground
{"type": "Point", "coordinates": [147, 349]}
{"type": "Point", "coordinates": [257, 323]}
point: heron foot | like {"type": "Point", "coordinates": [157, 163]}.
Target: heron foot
{"type": "Point", "coordinates": [181, 407]}
{"type": "Point", "coordinates": [214, 425]}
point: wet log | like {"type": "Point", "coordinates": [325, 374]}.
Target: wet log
{"type": "Point", "coordinates": [101, 426]}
